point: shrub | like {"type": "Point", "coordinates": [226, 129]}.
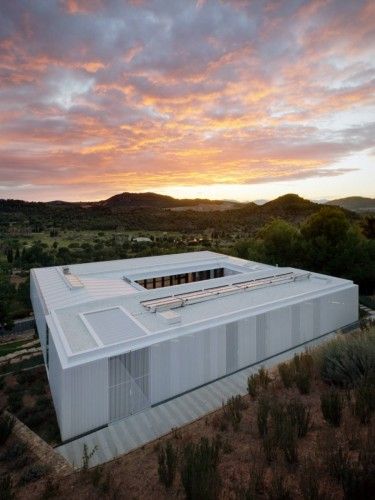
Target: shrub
{"type": "Point", "coordinates": [252, 385]}
{"type": "Point", "coordinates": [232, 411]}
{"type": "Point", "coordinates": [278, 417]}
{"type": "Point", "coordinates": [15, 401]}
{"type": "Point", "coordinates": [303, 361]}
{"type": "Point", "coordinates": [270, 444]}
{"type": "Point", "coordinates": [364, 402]}
{"type": "Point", "coordinates": [6, 426]}
{"type": "Point", "coordinates": [288, 442]}
{"type": "Point", "coordinates": [257, 381]}
{"type": "Point", "coordinates": [219, 422]}
{"type": "Point", "coordinates": [334, 455]}
{"type": "Point", "coordinates": [303, 380]}
{"type": "Point", "coordinates": [23, 378]}
{"type": "Point", "coordinates": [367, 465]}
{"type": "Point", "coordinates": [356, 476]}
{"type": "Point", "coordinates": [167, 463]}
{"type": "Point", "coordinates": [278, 489]}
{"type": "Point", "coordinates": [225, 445]}
{"type": "Point", "coordinates": [300, 417]}
{"type": "Point", "coordinates": [257, 473]}
{"type": "Point", "coordinates": [263, 378]}
{"type": "Point", "coordinates": [303, 368]}
{"type": "Point", "coordinates": [331, 404]}
{"type": "Point", "coordinates": [199, 474]}
{"type": "Point", "coordinates": [287, 374]}
{"type": "Point", "coordinates": [255, 485]}
{"type": "Point", "coordinates": [106, 485]}
{"type": "Point", "coordinates": [262, 415]}
{"type": "Point", "coordinates": [346, 360]}
{"type": "Point", "coordinates": [308, 480]}
{"type": "Point", "coordinates": [43, 402]}
{"type": "Point", "coordinates": [33, 473]}
{"type": "Point", "coordinates": [96, 475]}
{"type": "Point", "coordinates": [6, 492]}
{"type": "Point", "coordinates": [38, 388]}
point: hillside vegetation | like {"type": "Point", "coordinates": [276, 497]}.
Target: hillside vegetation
{"type": "Point", "coordinates": [152, 212]}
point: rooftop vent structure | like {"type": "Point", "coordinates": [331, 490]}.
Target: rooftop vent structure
{"type": "Point", "coordinates": [70, 279]}
{"type": "Point", "coordinates": [170, 317]}
{"type": "Point", "coordinates": [181, 300]}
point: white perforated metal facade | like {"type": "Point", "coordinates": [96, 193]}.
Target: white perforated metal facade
{"type": "Point", "coordinates": [111, 357]}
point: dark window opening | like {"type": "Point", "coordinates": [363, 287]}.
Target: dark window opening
{"type": "Point", "coordinates": [179, 279]}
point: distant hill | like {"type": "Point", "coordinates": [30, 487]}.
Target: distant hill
{"type": "Point", "coordinates": [154, 212]}
{"type": "Point", "coordinates": [355, 203]}
{"type": "Point", "coordinates": [290, 205]}
{"type": "Point", "coordinates": [155, 200]}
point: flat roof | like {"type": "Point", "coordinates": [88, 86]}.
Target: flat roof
{"type": "Point", "coordinates": [98, 310]}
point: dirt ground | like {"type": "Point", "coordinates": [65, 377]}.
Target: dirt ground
{"type": "Point", "coordinates": [135, 476]}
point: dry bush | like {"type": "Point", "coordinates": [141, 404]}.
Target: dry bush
{"type": "Point", "coordinates": [287, 374]}
{"type": "Point", "coordinates": [331, 403]}
{"type": "Point", "coordinates": [364, 400]}
{"type": "Point", "coordinates": [167, 464]}
{"type": "Point", "coordinates": [278, 487]}
{"type": "Point", "coordinates": [347, 359]}
{"type": "Point", "coordinates": [232, 411]}
{"type": "Point", "coordinates": [199, 470]}
{"type": "Point", "coordinates": [258, 381]}
{"type": "Point", "coordinates": [300, 416]}
{"type": "Point", "coordinates": [263, 410]}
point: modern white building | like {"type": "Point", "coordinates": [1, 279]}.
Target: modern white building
{"type": "Point", "coordinates": [121, 336]}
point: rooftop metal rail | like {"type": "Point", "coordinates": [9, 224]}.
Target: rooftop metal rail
{"type": "Point", "coordinates": [180, 300]}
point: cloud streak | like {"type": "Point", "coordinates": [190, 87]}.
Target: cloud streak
{"type": "Point", "coordinates": [104, 96]}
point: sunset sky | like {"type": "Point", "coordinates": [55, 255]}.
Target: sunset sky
{"type": "Point", "coordinates": [236, 99]}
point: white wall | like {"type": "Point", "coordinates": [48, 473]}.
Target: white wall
{"type": "Point", "coordinates": [84, 404]}
{"type": "Point", "coordinates": [81, 394]}
{"type": "Point", "coordinates": [55, 377]}
{"type": "Point", "coordinates": [181, 364]}
{"type": "Point", "coordinates": [39, 312]}
{"type": "Point", "coordinates": [189, 361]}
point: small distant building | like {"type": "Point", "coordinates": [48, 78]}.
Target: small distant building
{"type": "Point", "coordinates": [142, 239]}
{"type": "Point", "coordinates": [120, 336]}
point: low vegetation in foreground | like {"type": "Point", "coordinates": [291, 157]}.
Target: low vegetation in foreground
{"type": "Point", "coordinates": [305, 430]}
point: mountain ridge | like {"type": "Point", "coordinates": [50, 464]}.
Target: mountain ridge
{"type": "Point", "coordinates": [157, 213]}
{"type": "Point", "coordinates": [354, 203]}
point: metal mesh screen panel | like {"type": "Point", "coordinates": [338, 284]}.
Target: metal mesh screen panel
{"type": "Point", "coordinates": [129, 383]}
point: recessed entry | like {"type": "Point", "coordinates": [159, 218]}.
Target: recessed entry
{"type": "Point", "coordinates": [113, 325]}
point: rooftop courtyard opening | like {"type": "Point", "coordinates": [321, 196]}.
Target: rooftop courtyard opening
{"type": "Point", "coordinates": [182, 278]}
